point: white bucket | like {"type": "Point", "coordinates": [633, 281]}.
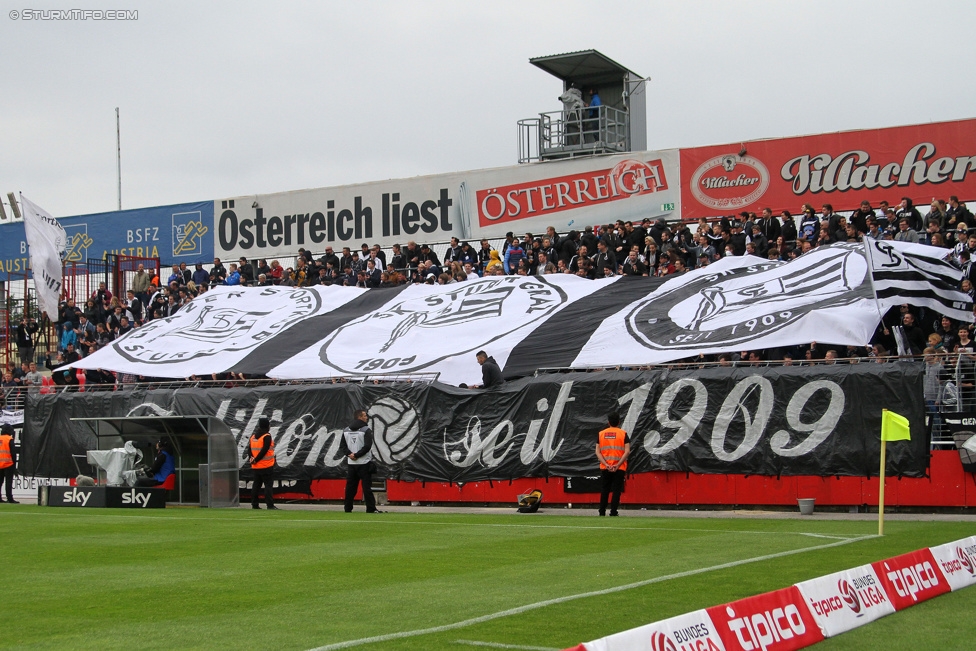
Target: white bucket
{"type": "Point", "coordinates": [806, 505]}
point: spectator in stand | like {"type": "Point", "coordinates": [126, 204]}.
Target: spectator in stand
{"type": "Point", "coordinates": [957, 214]}
{"type": "Point", "coordinates": [134, 306]}
{"type": "Point", "coordinates": [218, 274]}
{"type": "Point", "coordinates": [633, 266]}
{"type": "Point", "coordinates": [788, 229]}
{"type": "Point", "coordinates": [34, 378]}
{"type": "Point", "coordinates": [234, 276]}
{"type": "Point", "coordinates": [738, 239]}
{"type": "Point", "coordinates": [769, 226]}
{"type": "Point", "coordinates": [102, 336]}
{"type": "Point", "coordinates": [102, 295]}
{"type": "Point", "coordinates": [514, 254]}
{"type": "Point", "coordinates": [606, 260]}
{"type": "Point", "coordinates": [908, 211]}
{"type": "Point", "coordinates": [175, 276]}
{"type": "Point", "coordinates": [905, 232]}
{"type": "Point", "coordinates": [71, 355]}
{"type": "Point", "coordinates": [468, 255]}
{"type": "Point", "coordinates": [277, 271]}
{"type": "Point", "coordinates": [914, 334]}
{"type": "Point", "coordinates": [140, 283]}
{"type": "Point", "coordinates": [937, 211]}
{"type": "Point", "coordinates": [200, 276]}
{"type": "Point", "coordinates": [494, 264]}
{"type": "Point", "coordinates": [25, 332]}
{"type": "Point", "coordinates": [373, 275]}
{"type": "Point", "coordinates": [398, 261]}
{"type": "Point", "coordinates": [246, 270]}
{"type": "Point", "coordinates": [426, 255]}
{"type": "Point", "coordinates": [68, 336]}
{"type": "Point", "coordinates": [759, 240]}
{"type": "Point", "coordinates": [453, 251]}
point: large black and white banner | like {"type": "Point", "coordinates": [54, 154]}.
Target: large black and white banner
{"type": "Point", "coordinates": [822, 420]}
{"type": "Point", "coordinates": [524, 322]}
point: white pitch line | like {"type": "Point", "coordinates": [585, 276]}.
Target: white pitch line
{"type": "Point", "coordinates": [278, 522]}
{"type": "Point", "coordinates": [583, 595]}
{"type": "Point", "coordinates": [499, 645]}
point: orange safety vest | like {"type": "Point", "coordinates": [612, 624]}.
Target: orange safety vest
{"type": "Point", "coordinates": [6, 457]}
{"type": "Point", "coordinates": [269, 458]}
{"type": "Point", "coordinates": [612, 446]}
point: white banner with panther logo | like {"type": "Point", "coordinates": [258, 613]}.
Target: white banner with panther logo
{"type": "Point", "coordinates": [216, 330]}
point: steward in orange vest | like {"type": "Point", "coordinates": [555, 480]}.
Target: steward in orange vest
{"type": "Point", "coordinates": [612, 451]}
{"type": "Point", "coordinates": [8, 457]}
{"type": "Point", "coordinates": [262, 455]}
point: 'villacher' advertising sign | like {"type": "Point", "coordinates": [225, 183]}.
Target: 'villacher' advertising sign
{"type": "Point", "coordinates": [919, 161]}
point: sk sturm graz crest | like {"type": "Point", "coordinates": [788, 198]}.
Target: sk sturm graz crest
{"type": "Point", "coordinates": [741, 305]}
{"type": "Point", "coordinates": [457, 319]}
{"type": "Point", "coordinates": [211, 324]}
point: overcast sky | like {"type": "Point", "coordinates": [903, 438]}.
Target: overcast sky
{"type": "Point", "coordinates": [224, 99]}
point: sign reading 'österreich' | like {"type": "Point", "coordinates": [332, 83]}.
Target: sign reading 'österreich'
{"type": "Point", "coordinates": [919, 161]}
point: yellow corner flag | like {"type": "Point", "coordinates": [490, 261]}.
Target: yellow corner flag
{"type": "Point", "coordinates": [894, 427]}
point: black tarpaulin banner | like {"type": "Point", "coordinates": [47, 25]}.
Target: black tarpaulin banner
{"type": "Point", "coordinates": [821, 420]}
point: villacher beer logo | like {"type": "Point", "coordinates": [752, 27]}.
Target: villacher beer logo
{"type": "Point", "coordinates": [729, 181]}
{"type": "Point", "coordinates": [212, 324]}
{"type": "Point", "coordinates": [743, 305]}
{"type": "Point", "coordinates": [450, 320]}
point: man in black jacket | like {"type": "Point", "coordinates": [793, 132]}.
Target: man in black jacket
{"type": "Point", "coordinates": [357, 446]}
{"type": "Point", "coordinates": [25, 331]}
{"type": "Point", "coordinates": [491, 374]}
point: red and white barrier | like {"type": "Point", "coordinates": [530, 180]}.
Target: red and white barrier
{"type": "Point", "coordinates": [808, 612]}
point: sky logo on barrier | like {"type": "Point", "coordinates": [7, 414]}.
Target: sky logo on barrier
{"type": "Point", "coordinates": [78, 242]}
{"type": "Point", "coordinates": [135, 497]}
{"type": "Point", "coordinates": [77, 497]}
{"type": "Point", "coordinates": [188, 232]}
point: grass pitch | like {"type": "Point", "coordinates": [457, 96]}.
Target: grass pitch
{"type": "Point", "coordinates": [241, 579]}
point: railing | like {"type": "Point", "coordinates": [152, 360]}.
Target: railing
{"type": "Point", "coordinates": [569, 134]}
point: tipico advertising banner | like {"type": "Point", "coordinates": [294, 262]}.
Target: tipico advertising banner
{"type": "Point", "coordinates": [467, 205]}
{"type": "Point", "coordinates": [175, 233]}
{"type": "Point", "coordinates": [919, 161]}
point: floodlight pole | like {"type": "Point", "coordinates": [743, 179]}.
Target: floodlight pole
{"type": "Point", "coordinates": [118, 154]}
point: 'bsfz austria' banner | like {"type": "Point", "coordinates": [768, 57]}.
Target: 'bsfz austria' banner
{"type": "Point", "coordinates": [919, 161]}
{"type": "Point", "coordinates": [764, 421]}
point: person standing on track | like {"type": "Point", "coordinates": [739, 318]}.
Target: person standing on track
{"type": "Point", "coordinates": [262, 455]}
{"type": "Point", "coordinates": [357, 446]}
{"type": "Point", "coordinates": [612, 451]}
{"type": "Point", "coordinates": [8, 461]}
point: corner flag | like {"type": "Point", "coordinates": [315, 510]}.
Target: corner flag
{"type": "Point", "coordinates": [894, 427]}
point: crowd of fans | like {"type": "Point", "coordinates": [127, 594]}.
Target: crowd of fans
{"type": "Point", "coordinates": [646, 248]}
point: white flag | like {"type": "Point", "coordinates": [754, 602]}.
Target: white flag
{"type": "Point", "coordinates": [47, 241]}
{"type": "Point", "coordinates": [903, 272]}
